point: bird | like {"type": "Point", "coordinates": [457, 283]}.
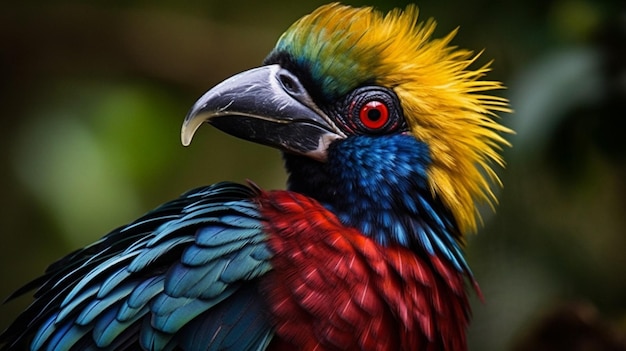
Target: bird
{"type": "Point", "coordinates": [391, 141]}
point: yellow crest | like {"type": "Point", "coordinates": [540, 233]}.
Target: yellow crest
{"type": "Point", "coordinates": [444, 101]}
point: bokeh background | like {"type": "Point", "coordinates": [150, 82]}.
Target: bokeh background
{"type": "Point", "coordinates": [93, 93]}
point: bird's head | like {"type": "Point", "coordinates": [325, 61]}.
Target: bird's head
{"type": "Point", "coordinates": [342, 72]}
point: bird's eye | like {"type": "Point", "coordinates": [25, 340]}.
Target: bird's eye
{"type": "Point", "coordinates": [374, 114]}
{"type": "Point", "coordinates": [372, 110]}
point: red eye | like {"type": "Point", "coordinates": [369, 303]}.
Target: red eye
{"type": "Point", "coordinates": [374, 114]}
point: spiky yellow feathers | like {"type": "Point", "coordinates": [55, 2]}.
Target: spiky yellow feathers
{"type": "Point", "coordinates": [446, 103]}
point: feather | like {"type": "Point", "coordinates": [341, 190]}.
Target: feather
{"type": "Point", "coordinates": [154, 252]}
{"type": "Point", "coordinates": [154, 339]}
{"type": "Point", "coordinates": [144, 292]}
{"type": "Point", "coordinates": [183, 281]}
{"type": "Point", "coordinates": [177, 317]}
{"type": "Point", "coordinates": [353, 288]}
{"type": "Point", "coordinates": [95, 274]}
{"type": "Point", "coordinates": [65, 336]}
{"type": "Point", "coordinates": [113, 281]}
{"type": "Point", "coordinates": [73, 305]}
{"type": "Point", "coordinates": [43, 333]}
{"type": "Point", "coordinates": [96, 307]}
{"type": "Point", "coordinates": [119, 285]}
{"type": "Point", "coordinates": [243, 319]}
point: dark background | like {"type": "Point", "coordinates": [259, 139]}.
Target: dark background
{"type": "Point", "coordinates": [93, 93]}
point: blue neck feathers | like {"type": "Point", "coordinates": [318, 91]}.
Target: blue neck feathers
{"type": "Point", "coordinates": [378, 185]}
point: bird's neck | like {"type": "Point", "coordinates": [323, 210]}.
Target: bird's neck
{"type": "Point", "coordinates": [379, 186]}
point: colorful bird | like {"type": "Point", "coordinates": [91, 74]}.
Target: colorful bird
{"type": "Point", "coordinates": [389, 138]}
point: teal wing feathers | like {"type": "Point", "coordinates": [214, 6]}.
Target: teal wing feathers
{"type": "Point", "coordinates": [183, 276]}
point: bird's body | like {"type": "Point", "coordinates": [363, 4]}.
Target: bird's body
{"type": "Point", "coordinates": [387, 142]}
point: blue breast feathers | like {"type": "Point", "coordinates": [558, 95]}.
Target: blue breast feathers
{"type": "Point", "coordinates": [380, 186]}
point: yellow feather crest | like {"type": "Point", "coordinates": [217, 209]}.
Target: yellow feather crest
{"type": "Point", "coordinates": [446, 103]}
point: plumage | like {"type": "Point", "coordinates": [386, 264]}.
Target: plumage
{"type": "Point", "coordinates": [388, 137]}
{"type": "Point", "coordinates": [349, 292]}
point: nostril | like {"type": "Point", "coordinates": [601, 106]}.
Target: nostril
{"type": "Point", "coordinates": [289, 84]}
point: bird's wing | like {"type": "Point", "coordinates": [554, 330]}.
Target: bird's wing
{"type": "Point", "coordinates": [184, 275]}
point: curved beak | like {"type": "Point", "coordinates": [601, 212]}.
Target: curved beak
{"type": "Point", "coordinates": [267, 105]}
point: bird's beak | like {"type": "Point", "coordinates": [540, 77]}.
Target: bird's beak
{"type": "Point", "coordinates": [267, 105]}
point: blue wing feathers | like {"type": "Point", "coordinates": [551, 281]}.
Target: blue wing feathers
{"type": "Point", "coordinates": [223, 329]}
{"type": "Point", "coordinates": [150, 254]}
{"type": "Point", "coordinates": [177, 318]}
{"type": "Point", "coordinates": [100, 326]}
{"type": "Point", "coordinates": [241, 266]}
{"type": "Point", "coordinates": [45, 330]}
{"type": "Point", "coordinates": [74, 304]}
{"type": "Point", "coordinates": [216, 236]}
{"type": "Point", "coordinates": [144, 292]}
{"type": "Point", "coordinates": [263, 254]}
{"type": "Point", "coordinates": [196, 255]}
{"type": "Point", "coordinates": [242, 222]}
{"type": "Point", "coordinates": [125, 313]}
{"type": "Point", "coordinates": [67, 334]}
{"type": "Point", "coordinates": [112, 282]}
{"type": "Point", "coordinates": [107, 328]}
{"type": "Point", "coordinates": [153, 339]}
{"type": "Point", "coordinates": [190, 263]}
{"type": "Point", "coordinates": [215, 266]}
{"type": "Point", "coordinates": [136, 226]}
{"type": "Point", "coordinates": [96, 274]}
{"type": "Point", "coordinates": [96, 307]}
{"type": "Point", "coordinates": [190, 281]}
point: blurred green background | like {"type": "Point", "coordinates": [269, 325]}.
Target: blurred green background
{"type": "Point", "coordinates": [93, 94]}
